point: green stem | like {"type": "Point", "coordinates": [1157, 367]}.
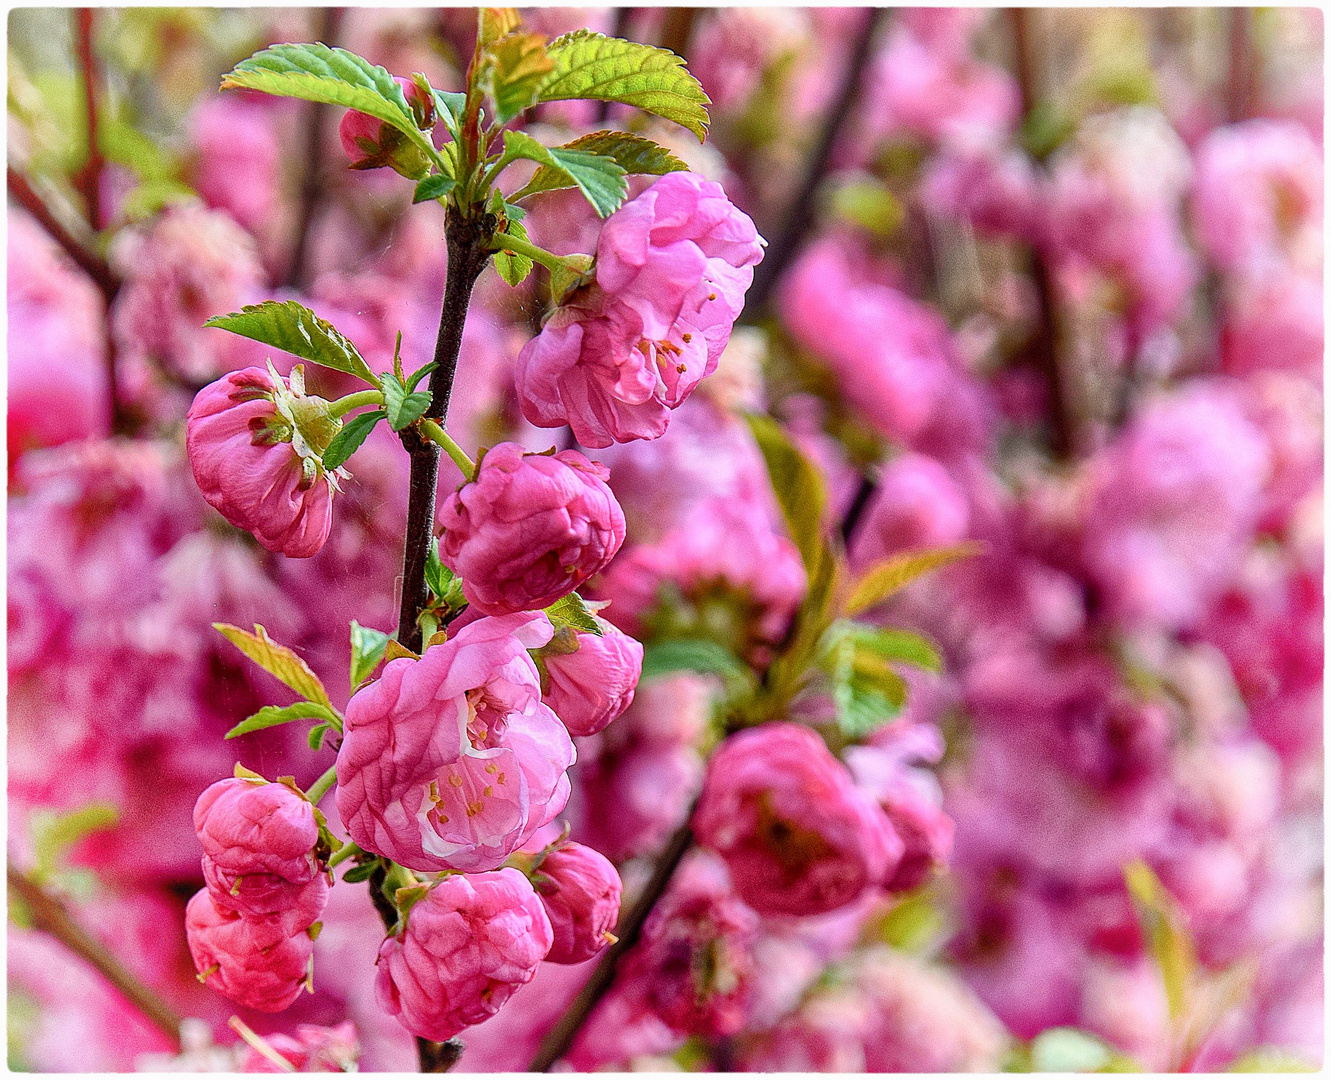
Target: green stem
{"type": "Point", "coordinates": [548, 259]}
{"type": "Point", "coordinates": [344, 405]}
{"type": "Point", "coordinates": [321, 786]}
{"type": "Point", "coordinates": [345, 852]}
{"type": "Point", "coordinates": [436, 434]}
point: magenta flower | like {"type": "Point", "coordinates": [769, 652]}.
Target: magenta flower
{"type": "Point", "coordinates": [372, 144]}
{"type": "Point", "coordinates": [261, 962]}
{"type": "Point", "coordinates": [672, 269]}
{"type": "Point", "coordinates": [314, 1048]}
{"type": "Point", "coordinates": [466, 947]}
{"type": "Point", "coordinates": [799, 837]}
{"type": "Point", "coordinates": [580, 890]}
{"type": "Point", "coordinates": [258, 848]}
{"type": "Point", "coordinates": [594, 684]}
{"type": "Point", "coordinates": [451, 762]}
{"type": "Point", "coordinates": [530, 528]}
{"type": "Point", "coordinates": [254, 442]}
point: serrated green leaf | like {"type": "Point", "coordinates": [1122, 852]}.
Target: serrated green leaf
{"type": "Point", "coordinates": [314, 72]}
{"type": "Point", "coordinates": [494, 23]}
{"type": "Point", "coordinates": [891, 643]}
{"type": "Point", "coordinates": [416, 376]}
{"type": "Point", "coordinates": [363, 872]}
{"type": "Point", "coordinates": [443, 583]}
{"type": "Point", "coordinates": [894, 573]}
{"type": "Point", "coordinates": [691, 654]}
{"type": "Point", "coordinates": [511, 266]}
{"type": "Point", "coordinates": [279, 661]}
{"type": "Point", "coordinates": [601, 180]}
{"type": "Point", "coordinates": [449, 105]}
{"type": "Point", "coordinates": [347, 441]}
{"type": "Point", "coordinates": [367, 649]}
{"type": "Point", "coordinates": [798, 485]}
{"type": "Point", "coordinates": [317, 734]}
{"type": "Point", "coordinates": [518, 67]}
{"type": "Point", "coordinates": [632, 153]}
{"type": "Point", "coordinates": [591, 65]}
{"type": "Point", "coordinates": [435, 186]}
{"type": "Point", "coordinates": [295, 329]}
{"type": "Point", "coordinates": [401, 407]}
{"type": "Point", "coordinates": [273, 715]}
{"type": "Point", "coordinates": [572, 611]}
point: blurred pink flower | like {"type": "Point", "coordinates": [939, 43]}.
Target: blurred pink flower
{"type": "Point", "coordinates": [312, 1049]}
{"type": "Point", "coordinates": [916, 504]}
{"type": "Point", "coordinates": [239, 164]}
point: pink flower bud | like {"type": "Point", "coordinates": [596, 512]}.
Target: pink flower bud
{"type": "Point", "coordinates": [799, 837]}
{"type": "Point", "coordinates": [593, 685]}
{"type": "Point", "coordinates": [372, 144]}
{"type": "Point", "coordinates": [254, 446]}
{"type": "Point", "coordinates": [261, 962]}
{"type": "Point", "coordinates": [451, 762]}
{"type": "Point", "coordinates": [466, 947]}
{"type": "Point", "coordinates": [530, 528]}
{"type": "Point", "coordinates": [581, 895]}
{"type": "Point", "coordinates": [672, 269]}
{"type": "Point", "coordinates": [258, 847]}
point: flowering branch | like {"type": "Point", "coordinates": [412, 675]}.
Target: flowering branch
{"type": "Point", "coordinates": [87, 260]}
{"type": "Point", "coordinates": [559, 1039]}
{"type": "Point", "coordinates": [50, 915]}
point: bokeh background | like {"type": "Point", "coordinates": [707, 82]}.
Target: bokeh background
{"type": "Point", "coordinates": [1048, 279]}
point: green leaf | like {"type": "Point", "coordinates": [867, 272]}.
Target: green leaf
{"type": "Point", "coordinates": [632, 153]}
{"type": "Point", "coordinates": [591, 65]}
{"type": "Point", "coordinates": [1068, 1050]}
{"type": "Point", "coordinates": [449, 105]}
{"type": "Point", "coordinates": [798, 486]}
{"type": "Point", "coordinates": [601, 180]}
{"type": "Point", "coordinates": [279, 661]}
{"type": "Point", "coordinates": [890, 643]}
{"type": "Point", "coordinates": [511, 266]}
{"type": "Point", "coordinates": [573, 611]}
{"type": "Point", "coordinates": [1166, 934]}
{"type": "Point", "coordinates": [894, 573]}
{"type": "Point", "coordinates": [367, 649]}
{"type": "Point", "coordinates": [519, 65]}
{"type": "Point", "coordinates": [273, 715]}
{"type": "Point", "coordinates": [347, 441]}
{"type": "Point", "coordinates": [494, 23]}
{"type": "Point", "coordinates": [54, 833]}
{"type": "Point", "coordinates": [413, 380]}
{"type": "Point", "coordinates": [317, 734]}
{"type": "Point", "coordinates": [691, 654]}
{"type": "Point", "coordinates": [297, 330]}
{"type": "Point", "coordinates": [314, 72]}
{"type": "Point", "coordinates": [435, 186]}
{"type": "Point", "coordinates": [401, 407]}
{"type": "Point", "coordinates": [362, 872]}
{"type": "Point", "coordinates": [1270, 1059]}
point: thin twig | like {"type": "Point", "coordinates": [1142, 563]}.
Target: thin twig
{"type": "Point", "coordinates": [87, 260]}
{"type": "Point", "coordinates": [561, 1037]}
{"type": "Point", "coordinates": [312, 181]}
{"type": "Point", "coordinates": [799, 218]}
{"type": "Point", "coordinates": [1241, 90]}
{"type": "Point", "coordinates": [89, 180]}
{"type": "Point", "coordinates": [1044, 345]}
{"type": "Point", "coordinates": [50, 915]}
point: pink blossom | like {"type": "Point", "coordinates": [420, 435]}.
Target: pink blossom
{"type": "Point", "coordinates": [254, 443]}
{"type": "Point", "coordinates": [997, 192]}
{"type": "Point", "coordinates": [530, 528]}
{"type": "Point", "coordinates": [1173, 503]}
{"type": "Point", "coordinates": [730, 51]}
{"type": "Point", "coordinates": [672, 268]}
{"type": "Point", "coordinates": [580, 889]}
{"type": "Point", "coordinates": [239, 158]}
{"type": "Point", "coordinates": [637, 796]}
{"type": "Point", "coordinates": [592, 685]}
{"type": "Point", "coordinates": [916, 504]}
{"type": "Point", "coordinates": [313, 1048]}
{"type": "Point", "coordinates": [258, 848]}
{"type": "Point", "coordinates": [799, 837]}
{"type": "Point", "coordinates": [193, 263]}
{"type": "Point", "coordinates": [1258, 193]}
{"type": "Point", "coordinates": [467, 946]}
{"type": "Point", "coordinates": [889, 355]}
{"type": "Point", "coordinates": [1273, 321]}
{"type": "Point", "coordinates": [372, 144]}
{"type": "Point", "coordinates": [451, 761]}
{"type": "Point", "coordinates": [261, 962]}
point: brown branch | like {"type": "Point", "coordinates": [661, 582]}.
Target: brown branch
{"type": "Point", "coordinates": [50, 915]}
{"type": "Point", "coordinates": [1241, 91]}
{"type": "Point", "coordinates": [561, 1037]}
{"type": "Point", "coordinates": [800, 218]}
{"type": "Point", "coordinates": [313, 179]}
{"type": "Point", "coordinates": [1044, 345]}
{"type": "Point", "coordinates": [89, 178]}
{"type": "Point", "coordinates": [677, 29]}
{"type": "Point", "coordinates": [87, 260]}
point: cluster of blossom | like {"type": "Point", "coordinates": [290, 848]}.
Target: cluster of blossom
{"type": "Point", "coordinates": [1133, 666]}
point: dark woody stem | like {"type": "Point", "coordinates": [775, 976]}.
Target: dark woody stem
{"type": "Point", "coordinates": [468, 239]}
